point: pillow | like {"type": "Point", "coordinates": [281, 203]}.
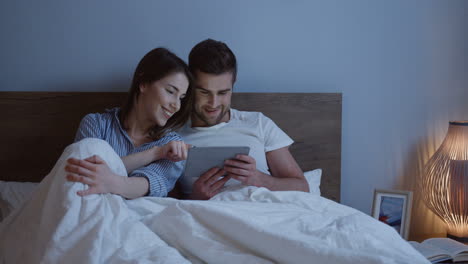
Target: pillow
{"type": "Point", "coordinates": [3, 210]}
{"type": "Point", "coordinates": [313, 179]}
{"type": "Point", "coordinates": [12, 195]}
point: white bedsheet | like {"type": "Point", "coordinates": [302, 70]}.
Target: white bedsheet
{"type": "Point", "coordinates": [244, 225]}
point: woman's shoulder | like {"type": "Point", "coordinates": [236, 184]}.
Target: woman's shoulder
{"type": "Point", "coordinates": [108, 115]}
{"type": "Point", "coordinates": [172, 136]}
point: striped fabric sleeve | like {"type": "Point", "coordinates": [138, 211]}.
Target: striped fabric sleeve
{"type": "Point", "coordinates": [90, 127]}
{"type": "Point", "coordinates": [161, 175]}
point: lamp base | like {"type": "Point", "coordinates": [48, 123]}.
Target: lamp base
{"type": "Point", "coordinates": [457, 238]}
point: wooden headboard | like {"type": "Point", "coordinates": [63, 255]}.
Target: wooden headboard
{"type": "Point", "coordinates": [37, 126]}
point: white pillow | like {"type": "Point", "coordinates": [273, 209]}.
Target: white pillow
{"type": "Point", "coordinates": [13, 194]}
{"type": "Point", "coordinates": [313, 179]}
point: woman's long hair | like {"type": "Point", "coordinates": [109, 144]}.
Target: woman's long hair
{"type": "Point", "coordinates": [155, 65]}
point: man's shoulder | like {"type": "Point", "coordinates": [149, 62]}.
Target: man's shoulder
{"type": "Point", "coordinates": [246, 115]}
{"type": "Point", "coordinates": [250, 117]}
{"type": "Point", "coordinates": [184, 130]}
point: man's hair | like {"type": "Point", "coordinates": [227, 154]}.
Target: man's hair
{"type": "Point", "coordinates": [213, 57]}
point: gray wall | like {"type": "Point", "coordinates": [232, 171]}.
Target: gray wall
{"type": "Point", "coordinates": [401, 65]}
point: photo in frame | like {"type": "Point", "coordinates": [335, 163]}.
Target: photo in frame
{"type": "Point", "coordinates": [393, 208]}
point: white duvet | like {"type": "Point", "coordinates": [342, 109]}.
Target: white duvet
{"type": "Point", "coordinates": [243, 225]}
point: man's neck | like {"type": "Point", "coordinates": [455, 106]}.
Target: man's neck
{"type": "Point", "coordinates": [199, 122]}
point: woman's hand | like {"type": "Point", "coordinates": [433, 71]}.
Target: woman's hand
{"type": "Point", "coordinates": [94, 172]}
{"type": "Point", "coordinates": [173, 151]}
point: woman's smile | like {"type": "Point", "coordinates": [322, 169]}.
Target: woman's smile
{"type": "Point", "coordinates": [167, 113]}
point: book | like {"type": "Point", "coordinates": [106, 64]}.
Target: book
{"type": "Point", "coordinates": [440, 249]}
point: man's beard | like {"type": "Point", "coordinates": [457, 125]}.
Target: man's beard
{"type": "Point", "coordinates": [212, 121]}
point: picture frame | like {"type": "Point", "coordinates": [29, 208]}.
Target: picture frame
{"type": "Point", "coordinates": [393, 207]}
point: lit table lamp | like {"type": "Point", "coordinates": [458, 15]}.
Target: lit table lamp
{"type": "Point", "coordinates": [445, 181]}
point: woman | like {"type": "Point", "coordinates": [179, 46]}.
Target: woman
{"type": "Point", "coordinates": [159, 102]}
{"type": "Point", "coordinates": [58, 223]}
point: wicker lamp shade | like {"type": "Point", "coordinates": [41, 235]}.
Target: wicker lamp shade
{"type": "Point", "coordinates": [445, 181]}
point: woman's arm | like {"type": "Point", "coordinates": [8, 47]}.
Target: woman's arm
{"type": "Point", "coordinates": [141, 159]}
{"type": "Point", "coordinates": [173, 151]}
{"type": "Point", "coordinates": [153, 179]}
{"type": "Point", "coordinates": [94, 172]}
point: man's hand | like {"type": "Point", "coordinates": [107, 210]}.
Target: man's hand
{"type": "Point", "coordinates": [209, 184]}
{"type": "Point", "coordinates": [244, 169]}
{"type": "Point", "coordinates": [173, 151]}
{"type": "Point", "coordinates": [94, 172]}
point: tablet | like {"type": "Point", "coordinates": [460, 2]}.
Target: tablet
{"type": "Point", "coordinates": [201, 159]}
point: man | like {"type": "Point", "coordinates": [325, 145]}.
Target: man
{"type": "Point", "coordinates": [213, 123]}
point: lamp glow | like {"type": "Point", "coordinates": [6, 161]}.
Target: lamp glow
{"type": "Point", "coordinates": [445, 181]}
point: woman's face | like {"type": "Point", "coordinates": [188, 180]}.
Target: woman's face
{"type": "Point", "coordinates": [161, 99]}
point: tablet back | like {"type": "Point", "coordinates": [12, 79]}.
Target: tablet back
{"type": "Point", "coordinates": [201, 159]}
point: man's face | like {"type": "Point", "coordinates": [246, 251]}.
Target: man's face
{"type": "Point", "coordinates": [212, 99]}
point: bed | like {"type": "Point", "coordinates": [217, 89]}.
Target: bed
{"type": "Point", "coordinates": [241, 225]}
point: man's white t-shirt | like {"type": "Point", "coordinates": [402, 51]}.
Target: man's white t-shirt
{"type": "Point", "coordinates": [252, 129]}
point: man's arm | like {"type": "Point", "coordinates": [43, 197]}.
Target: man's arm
{"type": "Point", "coordinates": [287, 175]}
{"type": "Point", "coordinates": [285, 172]}
{"type": "Point", "coordinates": [208, 184]}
